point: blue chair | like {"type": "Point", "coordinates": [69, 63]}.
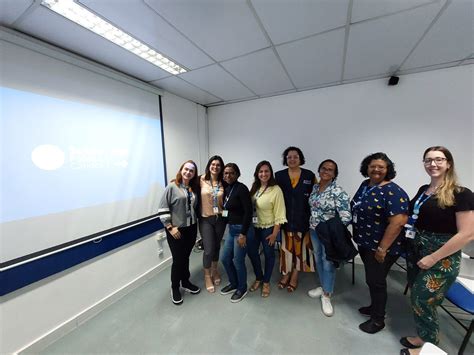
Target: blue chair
{"type": "Point", "coordinates": [462, 298]}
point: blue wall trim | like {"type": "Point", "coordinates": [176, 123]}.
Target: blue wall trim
{"type": "Point", "coordinates": [25, 274]}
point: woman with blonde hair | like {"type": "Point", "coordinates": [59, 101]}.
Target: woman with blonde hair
{"type": "Point", "coordinates": [441, 224]}
{"type": "Point", "coordinates": [178, 213]}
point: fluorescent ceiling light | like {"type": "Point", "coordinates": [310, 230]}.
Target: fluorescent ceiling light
{"type": "Point", "coordinates": [87, 19]}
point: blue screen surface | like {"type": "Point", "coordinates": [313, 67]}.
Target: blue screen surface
{"type": "Point", "coordinates": [59, 155]}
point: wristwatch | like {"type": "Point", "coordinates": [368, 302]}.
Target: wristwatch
{"type": "Point", "coordinates": [169, 228]}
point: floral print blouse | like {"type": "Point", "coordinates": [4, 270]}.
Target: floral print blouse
{"type": "Point", "coordinates": [325, 204]}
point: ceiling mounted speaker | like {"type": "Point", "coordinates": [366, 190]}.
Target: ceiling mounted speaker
{"type": "Point", "coordinates": [393, 80]}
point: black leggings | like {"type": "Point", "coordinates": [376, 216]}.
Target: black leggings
{"type": "Point", "coordinates": [181, 250]}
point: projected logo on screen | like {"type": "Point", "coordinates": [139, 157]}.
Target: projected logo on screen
{"type": "Point", "coordinates": [90, 158]}
{"type": "Point", "coordinates": [51, 157]}
{"type": "Point", "coordinates": [47, 157]}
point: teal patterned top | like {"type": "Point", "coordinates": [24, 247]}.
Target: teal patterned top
{"type": "Point", "coordinates": [325, 204]}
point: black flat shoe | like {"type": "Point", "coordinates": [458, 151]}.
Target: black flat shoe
{"type": "Point", "coordinates": [404, 341]}
{"type": "Point", "coordinates": [371, 326]}
{"type": "Point", "coordinates": [404, 351]}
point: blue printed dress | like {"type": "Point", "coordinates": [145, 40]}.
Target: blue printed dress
{"type": "Point", "coordinates": [371, 208]}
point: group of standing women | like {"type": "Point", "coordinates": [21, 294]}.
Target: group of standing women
{"type": "Point", "coordinates": [292, 204]}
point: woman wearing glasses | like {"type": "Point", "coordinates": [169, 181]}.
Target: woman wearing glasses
{"type": "Point", "coordinates": [178, 213]}
{"type": "Point", "coordinates": [441, 224]}
{"type": "Point", "coordinates": [211, 223]}
{"type": "Point", "coordinates": [296, 249]}
{"type": "Point", "coordinates": [269, 214]}
{"type": "Point", "coordinates": [379, 212]}
{"type": "Point", "coordinates": [327, 200]}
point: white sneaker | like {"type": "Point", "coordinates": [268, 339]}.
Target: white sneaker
{"type": "Point", "coordinates": [326, 306]}
{"type": "Point", "coordinates": [315, 292]}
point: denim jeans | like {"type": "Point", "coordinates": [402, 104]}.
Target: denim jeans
{"type": "Point", "coordinates": [326, 268]}
{"type": "Point", "coordinates": [233, 258]}
{"type": "Point", "coordinates": [253, 244]}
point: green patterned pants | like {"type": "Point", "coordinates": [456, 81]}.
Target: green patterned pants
{"type": "Point", "coordinates": [430, 286]}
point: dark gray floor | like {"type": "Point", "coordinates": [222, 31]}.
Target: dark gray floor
{"type": "Point", "coordinates": [145, 321]}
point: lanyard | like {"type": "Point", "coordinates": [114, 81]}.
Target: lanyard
{"type": "Point", "coordinates": [257, 195]}
{"type": "Point", "coordinates": [215, 192]}
{"type": "Point", "coordinates": [365, 193]}
{"type": "Point", "coordinates": [189, 200]}
{"type": "Point", "coordinates": [228, 196]}
{"type": "Point", "coordinates": [410, 233]}
{"type": "Point", "coordinates": [418, 203]}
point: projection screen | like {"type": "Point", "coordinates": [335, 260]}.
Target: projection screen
{"type": "Point", "coordinates": [81, 152]}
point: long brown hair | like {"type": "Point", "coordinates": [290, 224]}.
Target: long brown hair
{"type": "Point", "coordinates": [256, 183]}
{"type": "Point", "coordinates": [445, 192]}
{"type": "Point", "coordinates": [193, 184]}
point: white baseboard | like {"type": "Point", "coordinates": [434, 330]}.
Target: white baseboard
{"type": "Point", "coordinates": [80, 318]}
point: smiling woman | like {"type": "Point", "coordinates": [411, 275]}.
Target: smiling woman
{"type": "Point", "coordinates": [441, 224]}
{"type": "Point", "coordinates": [379, 212]}
{"type": "Point", "coordinates": [177, 212]}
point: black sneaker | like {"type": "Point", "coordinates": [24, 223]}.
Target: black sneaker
{"type": "Point", "coordinates": [191, 288]}
{"type": "Point", "coordinates": [372, 326]}
{"type": "Point", "coordinates": [176, 296]}
{"type": "Point", "coordinates": [228, 289]}
{"type": "Point", "coordinates": [365, 311]}
{"type": "Point", "coordinates": [238, 296]}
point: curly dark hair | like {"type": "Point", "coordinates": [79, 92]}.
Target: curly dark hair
{"type": "Point", "coordinates": [336, 170]}
{"type": "Point", "coordinates": [234, 167]}
{"type": "Point", "coordinates": [256, 183]}
{"type": "Point", "coordinates": [296, 149]}
{"type": "Point", "coordinates": [364, 166]}
{"type": "Point", "coordinates": [207, 173]}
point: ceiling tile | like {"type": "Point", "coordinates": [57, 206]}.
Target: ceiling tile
{"type": "Point", "coordinates": [289, 20]}
{"type": "Point", "coordinates": [379, 46]}
{"type": "Point", "coordinates": [223, 29]}
{"type": "Point", "coordinates": [218, 82]}
{"type": "Point", "coordinates": [260, 71]}
{"type": "Point", "coordinates": [451, 37]}
{"type": "Point", "coordinates": [139, 20]}
{"type": "Point", "coordinates": [315, 60]}
{"type": "Point", "coordinates": [181, 88]}
{"type": "Point", "coordinates": [53, 28]}
{"type": "Point", "coordinates": [10, 10]}
{"type": "Point", "coordinates": [365, 9]}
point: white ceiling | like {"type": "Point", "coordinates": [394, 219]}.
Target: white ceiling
{"type": "Point", "coordinates": [239, 50]}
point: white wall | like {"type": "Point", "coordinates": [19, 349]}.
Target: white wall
{"type": "Point", "coordinates": [348, 122]}
{"type": "Point", "coordinates": [185, 125]}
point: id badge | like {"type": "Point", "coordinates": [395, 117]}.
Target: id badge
{"type": "Point", "coordinates": [225, 213]}
{"type": "Point", "coordinates": [410, 234]}
{"type": "Point", "coordinates": [215, 210]}
{"type": "Point", "coordinates": [254, 219]}
{"type": "Point", "coordinates": [314, 214]}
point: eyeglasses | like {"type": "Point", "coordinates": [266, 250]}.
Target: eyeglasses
{"type": "Point", "coordinates": [437, 160]}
